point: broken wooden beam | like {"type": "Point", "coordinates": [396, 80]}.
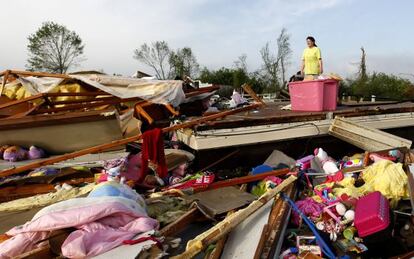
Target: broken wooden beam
{"type": "Point", "coordinates": [95, 103]}
{"type": "Point", "coordinates": [366, 138]}
{"type": "Point", "coordinates": [278, 215]}
{"type": "Point", "coordinates": [121, 142]}
{"type": "Point", "coordinates": [237, 181]}
{"type": "Point", "coordinates": [16, 102]}
{"type": "Point", "coordinates": [40, 74]}
{"type": "Point", "coordinates": [247, 179]}
{"type": "Point", "coordinates": [252, 94]}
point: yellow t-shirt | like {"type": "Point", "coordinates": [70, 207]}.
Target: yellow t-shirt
{"type": "Point", "coordinates": [311, 56]}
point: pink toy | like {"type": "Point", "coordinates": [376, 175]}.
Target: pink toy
{"type": "Point", "coordinates": [372, 214]}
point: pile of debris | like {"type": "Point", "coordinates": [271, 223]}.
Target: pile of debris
{"type": "Point", "coordinates": [144, 195]}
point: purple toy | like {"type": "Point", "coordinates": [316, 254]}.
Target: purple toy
{"type": "Point", "coordinates": [36, 153]}
{"type": "Point", "coordinates": [15, 153]}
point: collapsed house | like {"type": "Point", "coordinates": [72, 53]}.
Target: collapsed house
{"type": "Point", "coordinates": [136, 168]}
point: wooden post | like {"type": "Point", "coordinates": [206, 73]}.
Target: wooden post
{"type": "Point", "coordinates": [5, 77]}
{"type": "Point", "coordinates": [229, 223]}
{"type": "Point", "coordinates": [121, 142]}
{"type": "Point", "coordinates": [252, 94]}
{"type": "Point", "coordinates": [139, 110]}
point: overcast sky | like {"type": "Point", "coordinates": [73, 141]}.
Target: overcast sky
{"type": "Point", "coordinates": [220, 31]}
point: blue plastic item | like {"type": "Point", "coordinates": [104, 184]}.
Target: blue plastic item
{"type": "Point", "coordinates": [261, 169]}
{"type": "Point", "coordinates": [325, 248]}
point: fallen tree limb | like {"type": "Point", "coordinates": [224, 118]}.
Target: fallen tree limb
{"type": "Point", "coordinates": [121, 142]}
{"type": "Point", "coordinates": [229, 223]}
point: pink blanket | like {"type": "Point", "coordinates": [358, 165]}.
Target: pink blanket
{"type": "Point", "coordinates": [102, 224]}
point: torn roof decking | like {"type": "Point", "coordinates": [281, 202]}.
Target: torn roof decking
{"type": "Point", "coordinates": [270, 124]}
{"type": "Point", "coordinates": [272, 113]}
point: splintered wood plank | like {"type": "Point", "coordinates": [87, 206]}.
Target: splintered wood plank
{"type": "Point", "coordinates": [366, 138]}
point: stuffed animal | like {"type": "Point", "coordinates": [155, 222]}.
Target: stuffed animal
{"type": "Point", "coordinates": [36, 153]}
{"type": "Point", "coordinates": [2, 149]}
{"type": "Point", "coordinates": [328, 164]}
{"type": "Point", "coordinates": [15, 153]}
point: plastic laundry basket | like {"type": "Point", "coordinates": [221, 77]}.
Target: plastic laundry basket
{"type": "Point", "coordinates": [314, 95]}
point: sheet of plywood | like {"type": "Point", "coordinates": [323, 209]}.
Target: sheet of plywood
{"type": "Point", "coordinates": [218, 201]}
{"type": "Point", "coordinates": [244, 239]}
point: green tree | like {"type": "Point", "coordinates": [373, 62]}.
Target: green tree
{"type": "Point", "coordinates": [183, 63]}
{"type": "Point", "coordinates": [156, 55]}
{"type": "Point", "coordinates": [54, 48]}
{"type": "Point", "coordinates": [234, 77]}
{"type": "Point", "coordinates": [384, 87]}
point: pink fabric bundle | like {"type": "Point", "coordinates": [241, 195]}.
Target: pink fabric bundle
{"type": "Point", "coordinates": [309, 207]}
{"type": "Point", "coordinates": [102, 224]}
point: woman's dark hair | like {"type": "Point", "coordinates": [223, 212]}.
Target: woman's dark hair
{"type": "Point", "coordinates": [312, 39]}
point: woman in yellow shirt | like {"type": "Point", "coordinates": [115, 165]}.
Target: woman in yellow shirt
{"type": "Point", "coordinates": [312, 59]}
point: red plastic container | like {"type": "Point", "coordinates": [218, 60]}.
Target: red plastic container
{"type": "Point", "coordinates": [372, 214]}
{"type": "Point", "coordinates": [314, 95]}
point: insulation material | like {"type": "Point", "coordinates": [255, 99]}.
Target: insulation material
{"type": "Point", "coordinates": [24, 87]}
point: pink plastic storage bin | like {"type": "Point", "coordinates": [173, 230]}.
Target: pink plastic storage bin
{"type": "Point", "coordinates": [314, 95]}
{"type": "Point", "coordinates": [372, 214]}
